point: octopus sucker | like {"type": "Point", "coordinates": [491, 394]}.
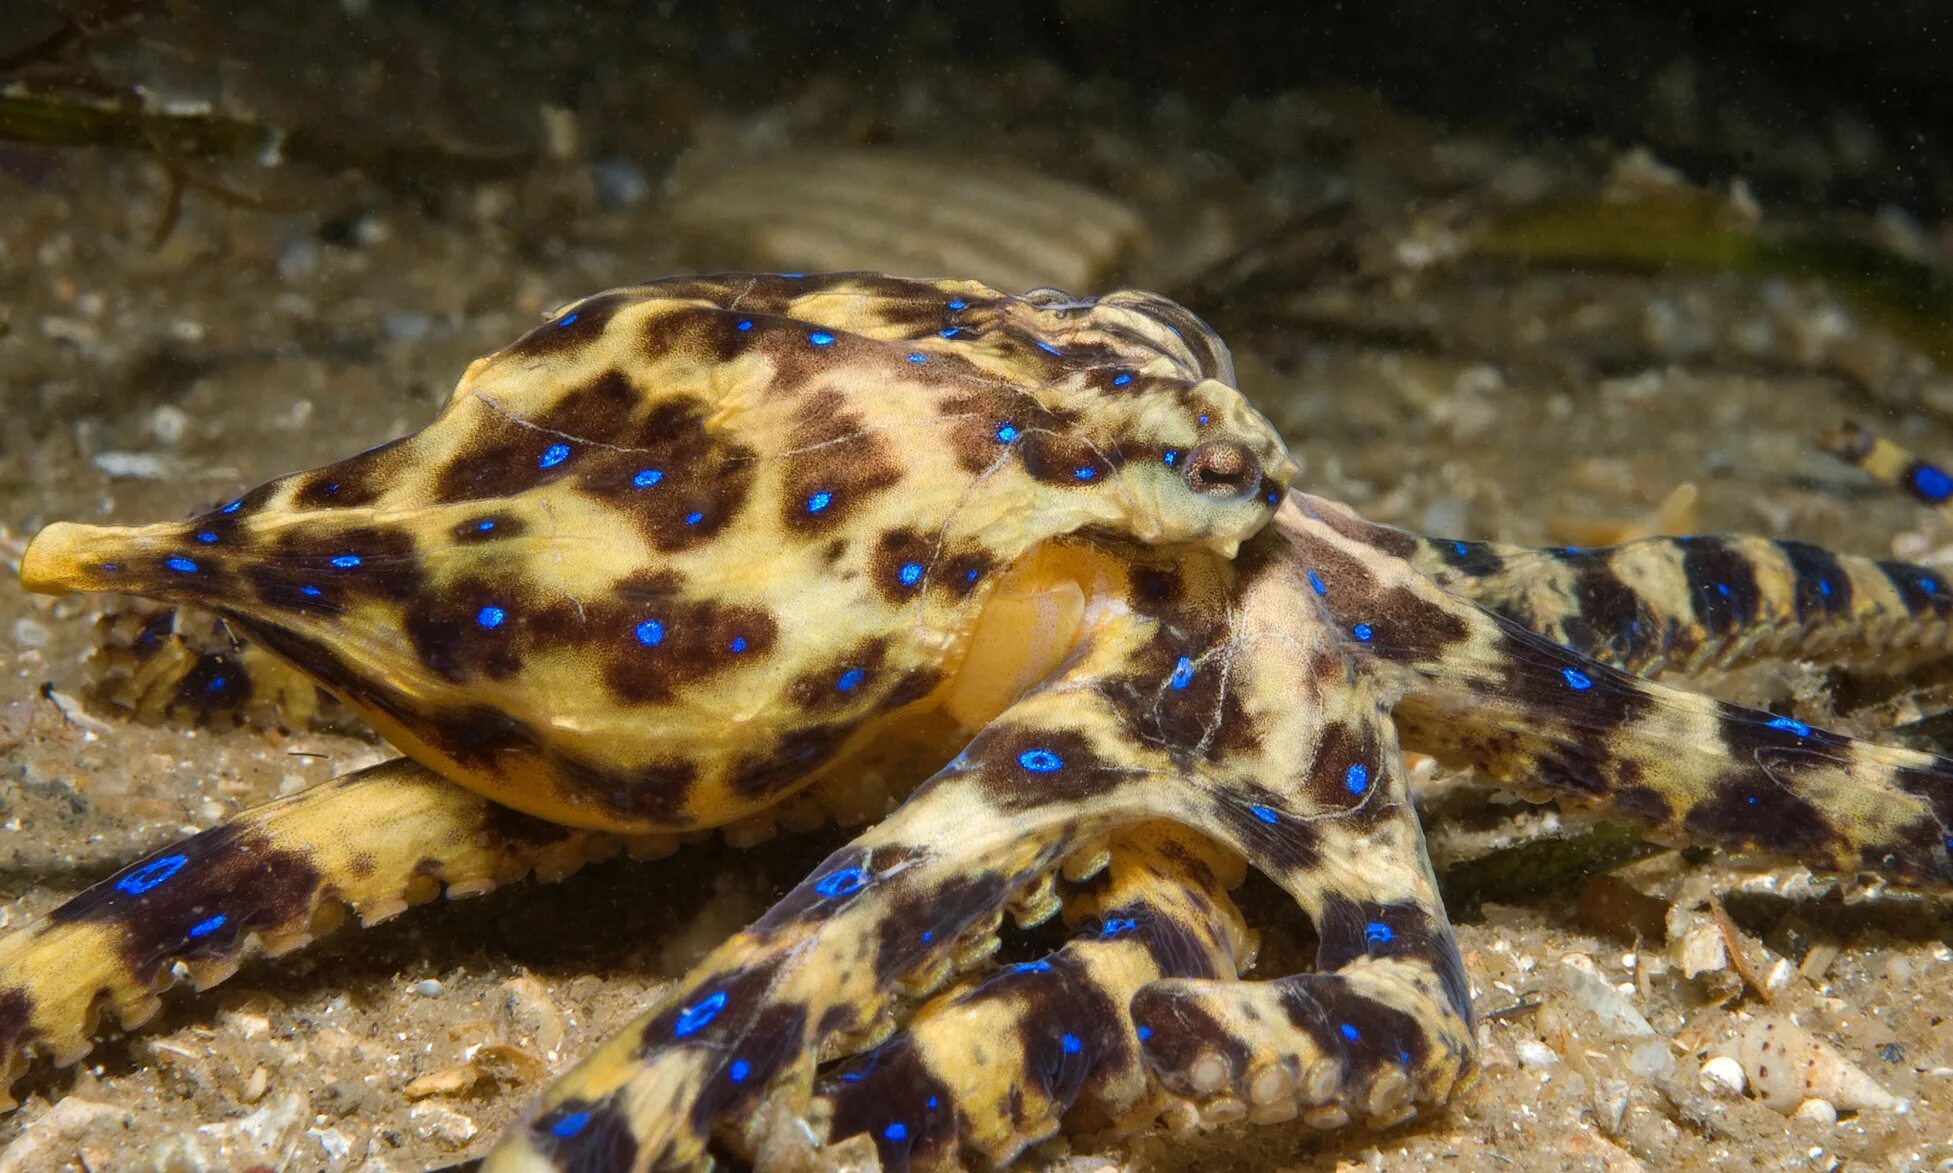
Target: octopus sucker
{"type": "Point", "coordinates": [1024, 591]}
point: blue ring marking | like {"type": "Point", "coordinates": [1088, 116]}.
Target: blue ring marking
{"type": "Point", "coordinates": [180, 564]}
{"type": "Point", "coordinates": [1144, 1033]}
{"type": "Point", "coordinates": [1363, 632]}
{"type": "Point", "coordinates": [821, 338]}
{"type": "Point", "coordinates": [694, 517]}
{"type": "Point", "coordinates": [1357, 778]}
{"type": "Point", "coordinates": [819, 501]}
{"type": "Point", "coordinates": [845, 882]}
{"type": "Point", "coordinates": [697, 1016]}
{"type": "Point", "coordinates": [739, 1070]}
{"type": "Point", "coordinates": [216, 684]}
{"type": "Point", "coordinates": [1122, 378]}
{"type": "Point", "coordinates": [1115, 926]}
{"type": "Point", "coordinates": [1170, 457]}
{"type": "Point", "coordinates": [745, 324]}
{"type": "Point", "coordinates": [850, 680]}
{"type": "Point", "coordinates": [233, 507]}
{"type": "Point", "coordinates": [950, 332]}
{"type": "Point", "coordinates": [917, 357]}
{"type": "Point", "coordinates": [570, 1125]}
{"type": "Point", "coordinates": [1460, 549]}
{"type": "Point", "coordinates": [1349, 1031]}
{"type": "Point", "coordinates": [650, 633]}
{"type": "Point", "coordinates": [490, 616]}
{"type": "Point", "coordinates": [928, 935]}
{"type": "Point", "coordinates": [345, 561]}
{"type": "Point", "coordinates": [151, 874]}
{"type": "Point", "coordinates": [932, 1103]}
{"type": "Point", "coordinates": [972, 574]}
{"type": "Point", "coordinates": [1006, 433]}
{"type": "Point", "coordinates": [1183, 674]}
{"type": "Point", "coordinates": [1928, 583]}
{"type": "Point", "coordinates": [1274, 497]}
{"type": "Point", "coordinates": [310, 591]}
{"type": "Point", "coordinates": [1265, 814]}
{"type": "Point", "coordinates": [1316, 584]}
{"type": "Point", "coordinates": [1722, 588]}
{"type": "Point", "coordinates": [1086, 473]}
{"type": "Point", "coordinates": [1040, 761]}
{"type": "Point", "coordinates": [1047, 348]}
{"type": "Point", "coordinates": [1576, 680]}
{"type": "Point", "coordinates": [553, 455]}
{"type": "Point", "coordinates": [957, 303]}
{"type": "Point", "coordinates": [1041, 965]}
{"type": "Point", "coordinates": [896, 1133]}
{"type": "Point", "coordinates": [648, 477]}
{"type": "Point", "coordinates": [1790, 725]}
{"type": "Point", "coordinates": [1203, 419]}
{"type": "Point", "coordinates": [1378, 933]}
{"type": "Point", "coordinates": [482, 527]}
{"type": "Point", "coordinates": [910, 574]}
{"type": "Point", "coordinates": [204, 928]}
{"type": "Point", "coordinates": [1071, 1043]}
{"type": "Point", "coordinates": [1751, 800]}
{"type": "Point", "coordinates": [1931, 483]}
{"type": "Point", "coordinates": [1824, 587]}
{"type": "Point", "coordinates": [207, 537]}
{"type": "Point", "coordinates": [737, 645]}
{"type": "Point", "coordinates": [566, 320]}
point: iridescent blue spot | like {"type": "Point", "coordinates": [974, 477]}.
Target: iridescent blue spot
{"type": "Point", "coordinates": [1357, 778]}
{"type": "Point", "coordinates": [1824, 587]}
{"type": "Point", "coordinates": [566, 320]}
{"type": "Point", "coordinates": [1170, 457]}
{"type": "Point", "coordinates": [745, 324]}
{"type": "Point", "coordinates": [1086, 473]}
{"type": "Point", "coordinates": [310, 591]}
{"type": "Point", "coordinates": [111, 567]}
{"type": "Point", "coordinates": [1460, 549]}
{"type": "Point", "coordinates": [1316, 583]}
{"type": "Point", "coordinates": [739, 1070]}
{"type": "Point", "coordinates": [1576, 679]}
{"type": "Point", "coordinates": [821, 338]}
{"type": "Point", "coordinates": [650, 633]}
{"type": "Point", "coordinates": [1203, 419]}
{"type": "Point", "coordinates": [1182, 674]}
{"type": "Point", "coordinates": [570, 1125]}
{"type": "Point", "coordinates": [845, 882]}
{"type": "Point", "coordinates": [151, 874]}
{"type": "Point", "coordinates": [850, 680]}
{"type": "Point", "coordinates": [1362, 632]}
{"type": "Point", "coordinates": [1751, 800]}
{"type": "Point", "coordinates": [1274, 497]}
{"type": "Point", "coordinates": [895, 1133]}
{"type": "Point", "coordinates": [1790, 726]}
{"type": "Point", "coordinates": [793, 276]}
{"type": "Point", "coordinates": [854, 1077]}
{"type": "Point", "coordinates": [554, 455]}
{"type": "Point", "coordinates": [1047, 348]}
{"type": "Point", "coordinates": [180, 564]}
{"type": "Point", "coordinates": [1929, 584]}
{"type": "Point", "coordinates": [1118, 925]}
{"type": "Point", "coordinates": [932, 1103]}
{"type": "Point", "coordinates": [737, 645]}
{"type": "Point", "coordinates": [1071, 1043]}
{"type": "Point", "coordinates": [1265, 814]}
{"type": "Point", "coordinates": [928, 935]}
{"type": "Point", "coordinates": [204, 928]}
{"type": "Point", "coordinates": [695, 1017]}
{"type": "Point", "coordinates": [1038, 966]}
{"type": "Point", "coordinates": [1040, 761]}
{"type": "Point", "coordinates": [1378, 933]}
{"type": "Point", "coordinates": [1122, 378]}
{"type": "Point", "coordinates": [1144, 1033]}
{"type": "Point", "coordinates": [484, 526]}
{"type": "Point", "coordinates": [490, 616]}
{"type": "Point", "coordinates": [910, 574]}
{"type": "Point", "coordinates": [1006, 434]}
{"type": "Point", "coordinates": [819, 501]}
{"type": "Point", "coordinates": [345, 561]}
{"type": "Point", "coordinates": [207, 538]}
{"type": "Point", "coordinates": [694, 518]}
{"type": "Point", "coordinates": [950, 331]}
{"type": "Point", "coordinates": [917, 357]}
{"type": "Point", "coordinates": [1931, 483]}
{"type": "Point", "coordinates": [1349, 1031]}
{"type": "Point", "coordinates": [233, 507]}
{"type": "Point", "coordinates": [957, 303]}
{"type": "Point", "coordinates": [647, 477]}
{"type": "Point", "coordinates": [972, 574]}
{"type": "Point", "coordinates": [1722, 588]}
{"type": "Point", "coordinates": [216, 684]}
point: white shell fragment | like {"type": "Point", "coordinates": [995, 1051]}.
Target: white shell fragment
{"type": "Point", "coordinates": [1723, 1077]}
{"type": "Point", "coordinates": [1788, 1065]}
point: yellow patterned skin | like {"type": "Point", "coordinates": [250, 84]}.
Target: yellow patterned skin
{"type": "Point", "coordinates": [696, 545]}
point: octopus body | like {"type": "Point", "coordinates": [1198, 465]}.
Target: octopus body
{"type": "Point", "coordinates": [708, 551]}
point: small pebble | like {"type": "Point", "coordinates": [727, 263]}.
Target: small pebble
{"type": "Point", "coordinates": [428, 988]}
{"type": "Point", "coordinates": [168, 423]}
{"type": "Point", "coordinates": [1820, 1111]}
{"type": "Point", "coordinates": [1723, 1076]}
{"type": "Point", "coordinates": [29, 633]}
{"type": "Point", "coordinates": [619, 182]}
{"type": "Point", "coordinates": [1533, 1053]}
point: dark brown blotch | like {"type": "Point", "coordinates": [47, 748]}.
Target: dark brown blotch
{"type": "Point", "coordinates": [834, 465]}
{"type": "Point", "coordinates": [575, 327]}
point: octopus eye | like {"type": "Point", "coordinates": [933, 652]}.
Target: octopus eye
{"type": "Point", "coordinates": [1223, 469]}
